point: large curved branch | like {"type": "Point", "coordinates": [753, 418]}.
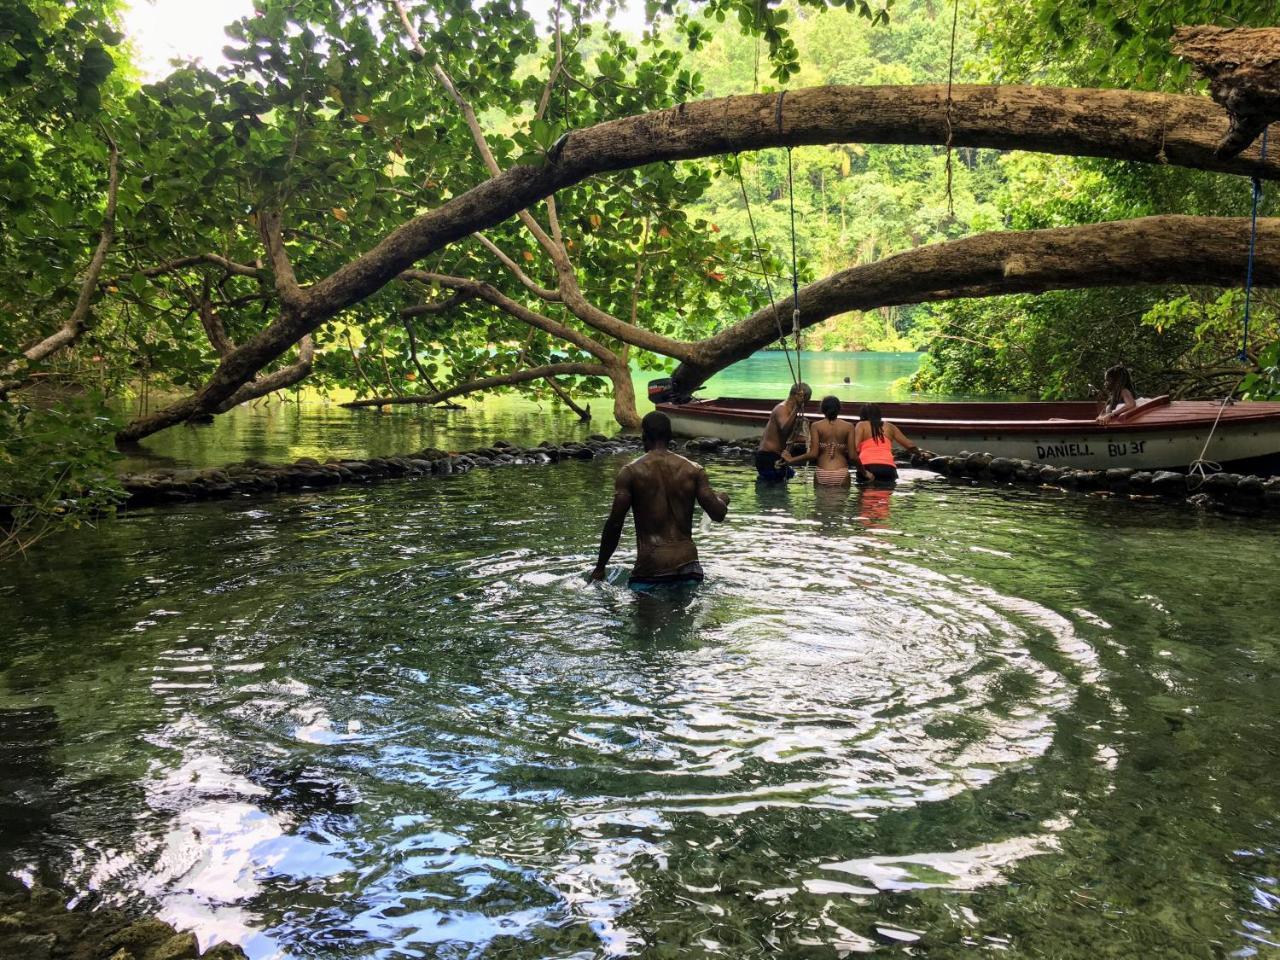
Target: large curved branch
{"type": "Point", "coordinates": [1150, 250]}
{"type": "Point", "coordinates": [1147, 127]}
{"type": "Point", "coordinates": [295, 372]}
{"type": "Point", "coordinates": [78, 322]}
{"type": "Point", "coordinates": [488, 383]}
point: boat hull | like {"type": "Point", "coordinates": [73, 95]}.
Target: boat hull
{"type": "Point", "coordinates": [1073, 442]}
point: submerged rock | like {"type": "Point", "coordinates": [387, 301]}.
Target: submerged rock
{"type": "Point", "coordinates": [35, 924]}
{"type": "Point", "coordinates": [1168, 483]}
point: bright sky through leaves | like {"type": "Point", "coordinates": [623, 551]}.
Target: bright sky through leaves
{"type": "Point", "coordinates": [162, 30]}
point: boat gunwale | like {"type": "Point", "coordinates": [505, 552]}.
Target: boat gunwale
{"type": "Point", "coordinates": [1232, 416]}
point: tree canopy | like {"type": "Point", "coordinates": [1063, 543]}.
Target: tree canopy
{"type": "Point", "coordinates": [414, 200]}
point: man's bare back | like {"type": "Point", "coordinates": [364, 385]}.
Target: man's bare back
{"type": "Point", "coordinates": [660, 490]}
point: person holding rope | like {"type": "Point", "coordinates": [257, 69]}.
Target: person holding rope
{"type": "Point", "coordinates": [783, 420]}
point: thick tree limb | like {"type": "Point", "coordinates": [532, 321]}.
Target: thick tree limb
{"type": "Point", "coordinates": [488, 383]}
{"type": "Point", "coordinates": [273, 239]}
{"type": "Point", "coordinates": [1148, 127]}
{"type": "Point", "coordinates": [78, 322]}
{"type": "Point", "coordinates": [295, 372]}
{"type": "Point", "coordinates": [1243, 69]}
{"type": "Point", "coordinates": [1150, 250]}
{"type": "Point", "coordinates": [214, 328]}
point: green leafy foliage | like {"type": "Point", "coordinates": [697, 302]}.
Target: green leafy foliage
{"type": "Point", "coordinates": [55, 469]}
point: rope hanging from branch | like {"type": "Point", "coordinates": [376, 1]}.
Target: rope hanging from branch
{"type": "Point", "coordinates": [1253, 244]}
{"type": "Point", "coordinates": [795, 277]}
{"type": "Point", "coordinates": [764, 270]}
{"type": "Point", "coordinates": [951, 72]}
{"type": "Point", "coordinates": [1201, 467]}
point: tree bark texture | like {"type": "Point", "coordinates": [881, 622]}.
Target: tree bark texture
{"type": "Point", "coordinates": [1243, 69]}
{"type": "Point", "coordinates": [1147, 127]}
{"type": "Point", "coordinates": [1149, 250]}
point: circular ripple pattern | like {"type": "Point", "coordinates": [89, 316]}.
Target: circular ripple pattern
{"type": "Point", "coordinates": [397, 722]}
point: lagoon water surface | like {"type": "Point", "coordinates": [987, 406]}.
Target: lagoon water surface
{"type": "Point", "coordinates": [396, 722]}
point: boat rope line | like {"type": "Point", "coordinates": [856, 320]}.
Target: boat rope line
{"type": "Point", "coordinates": [1253, 245]}
{"type": "Point", "coordinates": [1200, 467]}
{"type": "Point", "coordinates": [755, 241]}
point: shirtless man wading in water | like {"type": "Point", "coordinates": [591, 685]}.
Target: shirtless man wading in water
{"type": "Point", "coordinates": [782, 421]}
{"type": "Point", "coordinates": [660, 490]}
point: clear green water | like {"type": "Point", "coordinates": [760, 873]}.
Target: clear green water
{"type": "Point", "coordinates": [276, 432]}
{"type": "Point", "coordinates": [395, 722]}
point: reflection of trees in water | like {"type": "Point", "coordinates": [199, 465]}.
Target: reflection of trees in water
{"type": "Point", "coordinates": [28, 736]}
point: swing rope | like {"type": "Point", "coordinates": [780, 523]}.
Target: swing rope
{"type": "Point", "coordinates": [1253, 244]}
{"type": "Point", "coordinates": [951, 72]}
{"type": "Point", "coordinates": [764, 270]}
{"type": "Point", "coordinates": [795, 276]}
{"type": "Point", "coordinates": [1200, 467]}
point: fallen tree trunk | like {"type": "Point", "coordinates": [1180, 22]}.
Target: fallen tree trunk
{"type": "Point", "coordinates": [1147, 127]}
{"type": "Point", "coordinates": [1243, 68]}
{"type": "Point", "coordinates": [488, 383]}
{"type": "Point", "coordinates": [1150, 250]}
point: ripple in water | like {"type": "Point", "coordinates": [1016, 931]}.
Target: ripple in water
{"type": "Point", "coordinates": [398, 722]}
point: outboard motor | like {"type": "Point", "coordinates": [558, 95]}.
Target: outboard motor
{"type": "Point", "coordinates": [663, 390]}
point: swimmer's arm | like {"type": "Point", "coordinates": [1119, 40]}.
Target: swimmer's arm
{"type": "Point", "coordinates": [715, 504]}
{"type": "Point", "coordinates": [613, 526]}
{"type": "Point", "coordinates": [901, 439]}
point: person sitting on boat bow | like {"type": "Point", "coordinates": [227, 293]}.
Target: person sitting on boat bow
{"type": "Point", "coordinates": [874, 438]}
{"type": "Point", "coordinates": [783, 420]}
{"type": "Point", "coordinates": [660, 490]}
{"type": "Point", "coordinates": [1120, 393]}
{"type": "Point", "coordinates": [831, 445]}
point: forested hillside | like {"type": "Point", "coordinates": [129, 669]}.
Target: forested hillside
{"type": "Point", "coordinates": [857, 204]}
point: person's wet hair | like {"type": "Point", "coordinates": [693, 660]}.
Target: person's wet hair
{"type": "Point", "coordinates": [1116, 380]}
{"type": "Point", "coordinates": [655, 428]}
{"type": "Point", "coordinates": [801, 390]}
{"type": "Point", "coordinates": [830, 407]}
{"type": "Point", "coordinates": [870, 413]}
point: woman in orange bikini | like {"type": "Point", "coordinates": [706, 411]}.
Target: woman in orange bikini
{"type": "Point", "coordinates": [831, 444]}
{"type": "Point", "coordinates": [874, 440]}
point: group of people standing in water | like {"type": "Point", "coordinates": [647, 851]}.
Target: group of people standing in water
{"type": "Point", "coordinates": [840, 449]}
{"type": "Point", "coordinates": [661, 488]}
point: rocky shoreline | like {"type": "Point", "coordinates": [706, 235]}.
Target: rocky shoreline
{"type": "Point", "coordinates": [1230, 491]}
{"type": "Point", "coordinates": [252, 477]}
{"type": "Point", "coordinates": [37, 924]}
